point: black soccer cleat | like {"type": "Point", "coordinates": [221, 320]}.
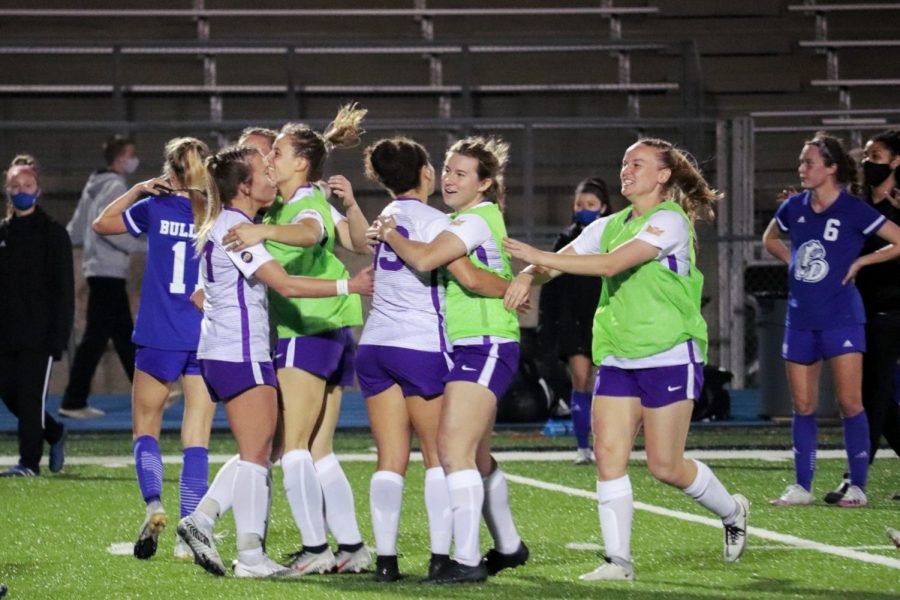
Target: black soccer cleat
{"type": "Point", "coordinates": [495, 561]}
{"type": "Point", "coordinates": [454, 572]}
{"type": "Point", "coordinates": [435, 564]}
{"type": "Point", "coordinates": [386, 569]}
{"type": "Point", "coordinates": [835, 496]}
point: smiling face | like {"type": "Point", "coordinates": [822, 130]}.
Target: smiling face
{"type": "Point", "coordinates": [641, 174]}
{"type": "Point", "coordinates": [262, 190]}
{"type": "Point", "coordinates": [283, 165]}
{"type": "Point", "coordinates": [812, 170]}
{"type": "Point", "coordinates": [460, 184]}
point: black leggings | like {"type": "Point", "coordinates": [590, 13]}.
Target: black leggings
{"type": "Point", "coordinates": [879, 362]}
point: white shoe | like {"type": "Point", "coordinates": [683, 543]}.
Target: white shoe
{"type": "Point", "coordinates": [736, 533]}
{"type": "Point", "coordinates": [266, 568]}
{"type": "Point", "coordinates": [88, 412]}
{"type": "Point", "coordinates": [182, 550]}
{"type": "Point", "coordinates": [307, 563]}
{"type": "Point", "coordinates": [893, 535]}
{"type": "Point", "coordinates": [794, 495]}
{"type": "Point", "coordinates": [584, 456]}
{"type": "Point", "coordinates": [153, 526]}
{"type": "Point", "coordinates": [609, 571]}
{"type": "Point", "coordinates": [199, 541]}
{"type": "Point", "coordinates": [352, 562]}
{"type": "Point", "coordinates": [853, 498]}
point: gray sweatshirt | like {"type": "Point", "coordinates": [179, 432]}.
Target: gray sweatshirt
{"type": "Point", "coordinates": [104, 255]}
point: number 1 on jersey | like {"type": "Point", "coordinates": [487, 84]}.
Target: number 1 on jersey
{"type": "Point", "coordinates": [176, 286]}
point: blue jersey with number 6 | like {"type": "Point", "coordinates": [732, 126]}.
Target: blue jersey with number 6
{"type": "Point", "coordinates": [823, 246]}
{"type": "Point", "coordinates": [166, 318]}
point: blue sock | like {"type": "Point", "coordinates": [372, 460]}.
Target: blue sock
{"type": "Point", "coordinates": [804, 432]}
{"type": "Point", "coordinates": [194, 478]}
{"type": "Point", "coordinates": [856, 441]}
{"type": "Point", "coordinates": [149, 467]}
{"type": "Point", "coordinates": [581, 417]}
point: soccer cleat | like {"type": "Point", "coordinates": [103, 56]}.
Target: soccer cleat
{"type": "Point", "coordinates": [386, 569]}
{"type": "Point", "coordinates": [893, 535]}
{"type": "Point", "coordinates": [794, 495]}
{"type": "Point", "coordinates": [454, 572]}
{"type": "Point", "coordinates": [834, 496]}
{"type": "Point", "coordinates": [305, 562]}
{"type": "Point", "coordinates": [88, 412]}
{"type": "Point", "coordinates": [495, 561]}
{"type": "Point", "coordinates": [58, 452]}
{"type": "Point", "coordinates": [854, 498]}
{"type": "Point", "coordinates": [154, 524]}
{"type": "Point", "coordinates": [609, 571]}
{"type": "Point", "coordinates": [18, 471]}
{"type": "Point", "coordinates": [584, 456]}
{"type": "Point", "coordinates": [356, 561]}
{"type": "Point", "coordinates": [435, 564]}
{"type": "Point", "coordinates": [182, 550]}
{"type": "Point", "coordinates": [736, 533]}
{"type": "Point", "coordinates": [200, 544]}
{"type": "Point", "coordinates": [265, 568]}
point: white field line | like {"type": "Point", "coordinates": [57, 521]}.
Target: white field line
{"type": "Point", "coordinates": [124, 460]}
{"type": "Point", "coordinates": [772, 536]}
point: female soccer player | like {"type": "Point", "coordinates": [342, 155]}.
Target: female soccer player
{"type": "Point", "coordinates": [167, 328]}
{"type": "Point", "coordinates": [825, 318]}
{"type": "Point", "coordinates": [485, 355]}
{"type": "Point", "coordinates": [314, 354]}
{"type": "Point", "coordinates": [649, 341]}
{"type": "Point", "coordinates": [234, 344]}
{"type": "Point", "coordinates": [401, 370]}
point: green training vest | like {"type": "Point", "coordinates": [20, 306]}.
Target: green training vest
{"type": "Point", "coordinates": [649, 308]}
{"type": "Point", "coordinates": [471, 315]}
{"type": "Point", "coordinates": [296, 317]}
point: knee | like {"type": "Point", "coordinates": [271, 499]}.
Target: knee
{"type": "Point", "coordinates": [393, 459]}
{"type": "Point", "coordinates": [610, 462]}
{"type": "Point", "coordinates": [666, 471]}
{"type": "Point", "coordinates": [804, 405]}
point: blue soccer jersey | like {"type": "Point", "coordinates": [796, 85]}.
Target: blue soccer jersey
{"type": "Point", "coordinates": [823, 246]}
{"type": "Point", "coordinates": [166, 318]}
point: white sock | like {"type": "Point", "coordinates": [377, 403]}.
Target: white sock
{"type": "Point", "coordinates": [497, 514]}
{"type": "Point", "coordinates": [709, 492]}
{"type": "Point", "coordinates": [385, 500]}
{"type": "Point", "coordinates": [466, 498]}
{"type": "Point", "coordinates": [615, 503]}
{"type": "Point", "coordinates": [251, 500]}
{"type": "Point", "coordinates": [340, 512]}
{"type": "Point", "coordinates": [220, 495]}
{"type": "Point", "coordinates": [437, 504]}
{"type": "Point", "coordinates": [304, 494]}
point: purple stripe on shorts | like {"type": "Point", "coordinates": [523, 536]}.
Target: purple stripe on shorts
{"type": "Point", "coordinates": [207, 251]}
{"type": "Point", "coordinates": [436, 302]}
{"type": "Point", "coordinates": [245, 320]}
{"type": "Point", "coordinates": [673, 265]}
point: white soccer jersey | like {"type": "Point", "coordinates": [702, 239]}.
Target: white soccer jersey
{"type": "Point", "coordinates": [235, 325]}
{"type": "Point", "coordinates": [408, 306]}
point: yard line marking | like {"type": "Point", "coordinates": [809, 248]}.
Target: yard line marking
{"type": "Point", "coordinates": [779, 547]}
{"type": "Point", "coordinates": [765, 534]}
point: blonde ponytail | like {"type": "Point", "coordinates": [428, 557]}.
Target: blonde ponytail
{"type": "Point", "coordinates": [686, 186]}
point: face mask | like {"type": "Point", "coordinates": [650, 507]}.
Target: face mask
{"type": "Point", "coordinates": [131, 164]}
{"type": "Point", "coordinates": [586, 217]}
{"type": "Point", "coordinates": [23, 201]}
{"type": "Point", "coordinates": [875, 173]}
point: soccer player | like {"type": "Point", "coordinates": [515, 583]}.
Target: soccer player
{"type": "Point", "coordinates": [234, 350]}
{"type": "Point", "coordinates": [167, 329]}
{"type": "Point", "coordinates": [485, 339]}
{"type": "Point", "coordinates": [649, 341]}
{"type": "Point", "coordinates": [315, 349]}
{"type": "Point", "coordinates": [825, 317]}
{"type": "Point", "coordinates": [401, 370]}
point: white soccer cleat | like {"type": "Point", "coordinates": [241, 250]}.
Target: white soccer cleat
{"type": "Point", "coordinates": [266, 568]}
{"type": "Point", "coordinates": [853, 498]}
{"type": "Point", "coordinates": [352, 562]}
{"type": "Point", "coordinates": [893, 535]}
{"type": "Point", "coordinates": [609, 571]}
{"type": "Point", "coordinates": [584, 456]}
{"type": "Point", "coordinates": [736, 533]}
{"type": "Point", "coordinates": [794, 495]}
{"type": "Point", "coordinates": [182, 550]}
{"type": "Point", "coordinates": [200, 544]}
{"type": "Point", "coordinates": [307, 563]}
{"type": "Point", "coordinates": [153, 526]}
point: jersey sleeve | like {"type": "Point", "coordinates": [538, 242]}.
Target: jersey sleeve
{"type": "Point", "coordinates": [311, 213]}
{"type": "Point", "coordinates": [471, 229]}
{"type": "Point", "coordinates": [434, 227]}
{"type": "Point", "coordinates": [249, 259]}
{"type": "Point", "coordinates": [870, 220]}
{"type": "Point", "coordinates": [137, 217]}
{"type": "Point", "coordinates": [782, 216]}
{"type": "Point", "coordinates": [588, 242]}
{"type": "Point", "coordinates": [336, 215]}
{"type": "Point", "coordinates": [665, 230]}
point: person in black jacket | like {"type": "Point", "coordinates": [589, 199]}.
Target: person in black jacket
{"type": "Point", "coordinates": [37, 301]}
{"type": "Point", "coordinates": [566, 313]}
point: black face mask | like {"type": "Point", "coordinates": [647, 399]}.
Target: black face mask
{"type": "Point", "coordinates": [874, 174]}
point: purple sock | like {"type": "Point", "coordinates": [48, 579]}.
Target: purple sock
{"type": "Point", "coordinates": [194, 478]}
{"type": "Point", "coordinates": [804, 433]}
{"type": "Point", "coordinates": [581, 417]}
{"type": "Point", "coordinates": [149, 467]}
{"type": "Point", "coordinates": [856, 441]}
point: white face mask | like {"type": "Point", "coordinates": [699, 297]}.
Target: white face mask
{"type": "Point", "coordinates": [131, 164]}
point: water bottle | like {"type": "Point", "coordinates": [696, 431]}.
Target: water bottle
{"type": "Point", "coordinates": [554, 428]}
